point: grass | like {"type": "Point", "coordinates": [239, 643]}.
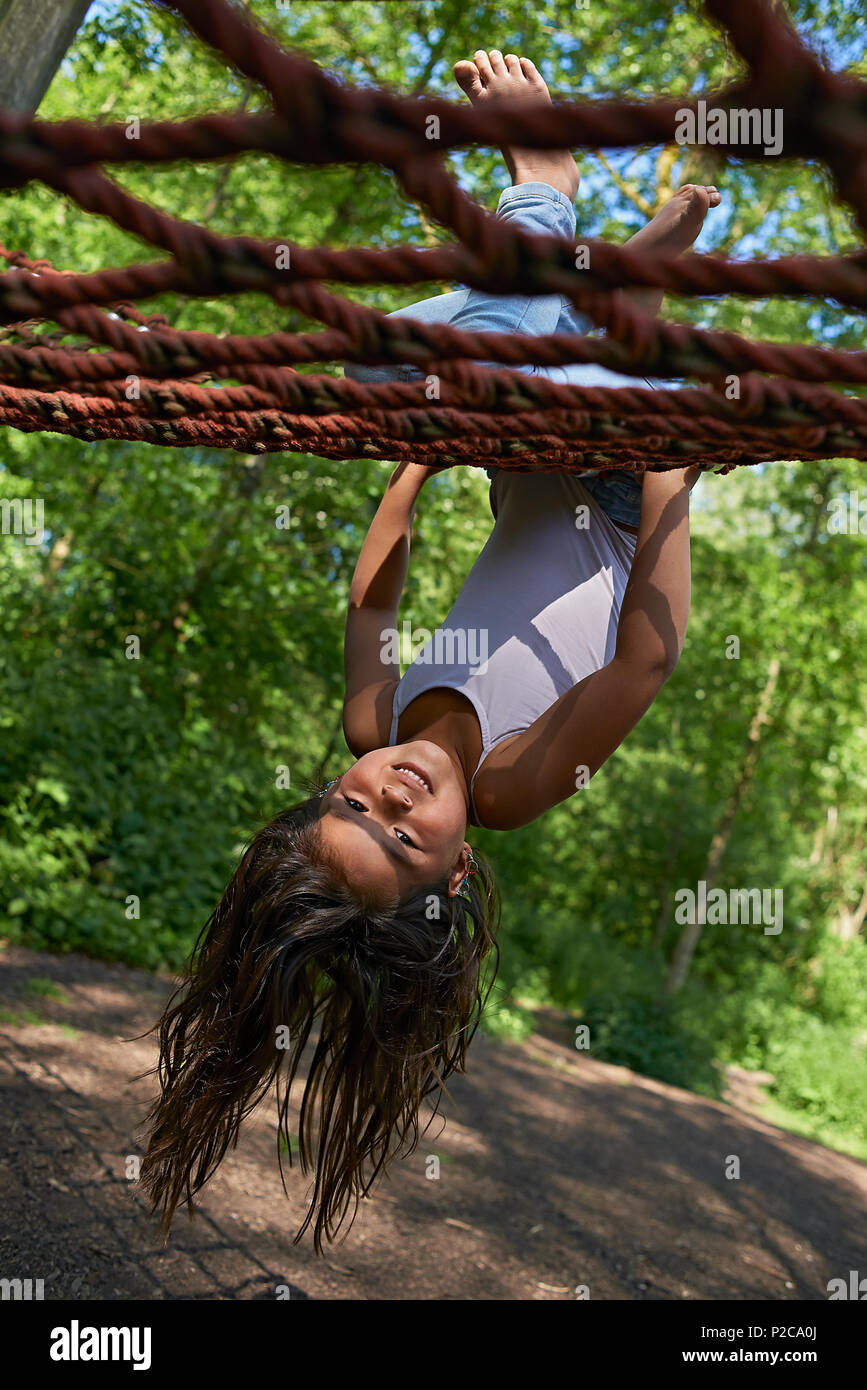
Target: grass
{"type": "Point", "coordinates": [44, 988]}
{"type": "Point", "coordinates": [15, 1020]}
{"type": "Point", "coordinates": [796, 1122]}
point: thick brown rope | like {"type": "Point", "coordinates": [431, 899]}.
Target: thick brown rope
{"type": "Point", "coordinates": [149, 381]}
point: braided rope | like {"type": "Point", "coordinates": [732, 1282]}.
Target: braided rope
{"type": "Point", "coordinates": [784, 409]}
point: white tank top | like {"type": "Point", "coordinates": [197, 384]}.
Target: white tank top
{"type": "Point", "coordinates": [538, 611]}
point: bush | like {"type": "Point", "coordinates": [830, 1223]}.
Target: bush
{"type": "Point", "coordinates": [821, 1073]}
{"type": "Point", "coordinates": [839, 981]}
{"type": "Point", "coordinates": [655, 1039]}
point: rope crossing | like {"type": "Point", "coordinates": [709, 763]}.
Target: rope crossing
{"type": "Point", "coordinates": [246, 392]}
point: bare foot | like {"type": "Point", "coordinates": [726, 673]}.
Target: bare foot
{"type": "Point", "coordinates": [491, 78]}
{"type": "Point", "coordinates": [674, 228]}
{"type": "Point", "coordinates": [678, 223]}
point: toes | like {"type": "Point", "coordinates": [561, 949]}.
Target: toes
{"type": "Point", "coordinates": [702, 191]}
{"type": "Point", "coordinates": [706, 195]}
{"type": "Point", "coordinates": [467, 78]}
{"type": "Point", "coordinates": [490, 66]}
{"type": "Point", "coordinates": [483, 63]}
{"type": "Point", "coordinates": [532, 74]}
{"type": "Point", "coordinates": [691, 194]}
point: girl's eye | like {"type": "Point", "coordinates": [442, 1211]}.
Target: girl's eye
{"type": "Point", "coordinates": [401, 834]}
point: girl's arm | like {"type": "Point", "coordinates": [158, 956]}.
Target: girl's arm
{"type": "Point", "coordinates": [374, 595]}
{"type": "Point", "coordinates": [655, 608]}
{"type": "Point", "coordinates": [567, 744]}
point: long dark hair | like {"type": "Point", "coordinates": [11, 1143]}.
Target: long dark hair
{"type": "Point", "coordinates": [397, 995]}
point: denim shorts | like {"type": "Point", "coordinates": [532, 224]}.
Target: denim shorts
{"type": "Point", "coordinates": [619, 495]}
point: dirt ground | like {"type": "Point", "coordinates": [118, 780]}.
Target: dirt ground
{"type": "Point", "coordinates": [556, 1171]}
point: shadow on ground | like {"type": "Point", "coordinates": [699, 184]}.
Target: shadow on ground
{"type": "Point", "coordinates": [556, 1172]}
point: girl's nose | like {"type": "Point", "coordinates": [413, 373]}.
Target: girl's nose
{"type": "Point", "coordinates": [398, 794]}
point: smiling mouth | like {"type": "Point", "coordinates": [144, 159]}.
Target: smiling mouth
{"type": "Point", "coordinates": [414, 776]}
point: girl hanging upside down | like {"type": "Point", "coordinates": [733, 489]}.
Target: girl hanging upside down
{"type": "Point", "coordinates": [363, 909]}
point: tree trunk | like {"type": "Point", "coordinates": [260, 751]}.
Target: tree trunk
{"type": "Point", "coordinates": [848, 924]}
{"type": "Point", "coordinates": [33, 41]}
{"type": "Point", "coordinates": [689, 937]}
{"type": "Point", "coordinates": [662, 921]}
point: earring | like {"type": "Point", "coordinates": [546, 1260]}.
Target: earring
{"type": "Point", "coordinates": [472, 868]}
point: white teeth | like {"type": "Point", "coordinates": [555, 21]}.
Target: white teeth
{"type": "Point", "coordinates": [414, 775]}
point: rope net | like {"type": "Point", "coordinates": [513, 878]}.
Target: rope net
{"type": "Point", "coordinates": [785, 409]}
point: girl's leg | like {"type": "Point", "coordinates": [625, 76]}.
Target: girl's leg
{"type": "Point", "coordinates": [440, 308]}
{"type": "Point", "coordinates": [544, 210]}
{"type": "Point", "coordinates": [538, 208]}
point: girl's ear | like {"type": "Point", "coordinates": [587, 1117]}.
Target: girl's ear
{"type": "Point", "coordinates": [459, 872]}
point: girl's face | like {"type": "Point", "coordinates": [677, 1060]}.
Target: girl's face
{"type": "Point", "coordinates": [396, 820]}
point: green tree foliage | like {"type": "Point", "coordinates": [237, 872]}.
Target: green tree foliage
{"type": "Point", "coordinates": [176, 637]}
